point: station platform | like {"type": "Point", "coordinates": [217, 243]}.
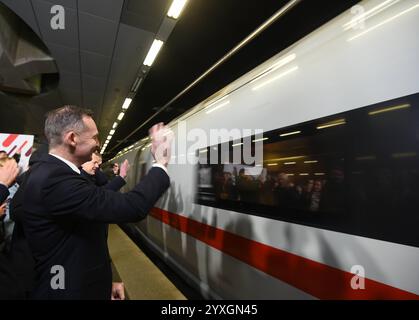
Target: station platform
{"type": "Point", "coordinates": [142, 279]}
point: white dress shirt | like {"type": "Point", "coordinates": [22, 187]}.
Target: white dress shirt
{"type": "Point", "coordinates": [70, 164]}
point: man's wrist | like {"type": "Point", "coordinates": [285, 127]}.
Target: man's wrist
{"type": "Point", "coordinates": [4, 184]}
{"type": "Point", "coordinates": [159, 165]}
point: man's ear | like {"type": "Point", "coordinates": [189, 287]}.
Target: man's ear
{"type": "Point", "coordinates": [70, 138]}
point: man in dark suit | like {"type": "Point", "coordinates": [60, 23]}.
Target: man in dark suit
{"type": "Point", "coordinates": [64, 213]}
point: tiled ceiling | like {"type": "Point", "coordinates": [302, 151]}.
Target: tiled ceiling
{"type": "Point", "coordinates": [98, 55]}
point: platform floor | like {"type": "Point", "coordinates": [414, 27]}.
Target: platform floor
{"type": "Point", "coordinates": [142, 279]}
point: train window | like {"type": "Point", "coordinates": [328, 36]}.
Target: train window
{"type": "Point", "coordinates": [356, 172]}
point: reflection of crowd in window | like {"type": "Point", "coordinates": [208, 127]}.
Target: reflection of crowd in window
{"type": "Point", "coordinates": [279, 189]}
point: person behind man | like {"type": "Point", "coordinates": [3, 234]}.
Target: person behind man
{"type": "Point", "coordinates": [91, 170]}
{"type": "Point", "coordinates": [64, 213]}
{"type": "Point", "coordinates": [8, 168]}
{"type": "Point", "coordinates": [9, 288]}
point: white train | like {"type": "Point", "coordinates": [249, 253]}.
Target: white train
{"type": "Point", "coordinates": [332, 212]}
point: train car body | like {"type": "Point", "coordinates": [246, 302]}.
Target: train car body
{"type": "Point", "coordinates": [332, 212]}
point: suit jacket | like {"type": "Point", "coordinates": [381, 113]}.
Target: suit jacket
{"type": "Point", "coordinates": [63, 218]}
{"type": "Point", "coordinates": [9, 285]}
{"type": "Point", "coordinates": [101, 180]}
{"type": "Point", "coordinates": [20, 254]}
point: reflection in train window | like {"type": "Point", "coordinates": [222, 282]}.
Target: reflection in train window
{"type": "Point", "coordinates": [355, 172]}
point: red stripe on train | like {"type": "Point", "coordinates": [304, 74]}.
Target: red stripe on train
{"type": "Point", "coordinates": [314, 278]}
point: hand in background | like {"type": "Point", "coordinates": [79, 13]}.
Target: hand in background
{"type": "Point", "coordinates": [8, 172]}
{"type": "Point", "coordinates": [118, 292]}
{"type": "Point", "coordinates": [161, 143]}
{"type": "Point", "coordinates": [3, 209]}
{"type": "Point", "coordinates": [124, 169]}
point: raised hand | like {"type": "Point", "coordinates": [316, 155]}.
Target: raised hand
{"type": "Point", "coordinates": [8, 172]}
{"type": "Point", "coordinates": [161, 143]}
{"type": "Point", "coordinates": [124, 169]}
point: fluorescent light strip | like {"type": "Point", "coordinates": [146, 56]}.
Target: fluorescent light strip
{"type": "Point", "coordinates": [112, 132]}
{"type": "Point", "coordinates": [176, 8]}
{"type": "Point", "coordinates": [369, 14]}
{"type": "Point", "coordinates": [384, 22]}
{"type": "Point", "coordinates": [311, 161]}
{"type": "Point", "coordinates": [109, 137]}
{"type": "Point", "coordinates": [332, 124]}
{"type": "Point", "coordinates": [218, 107]}
{"type": "Point", "coordinates": [275, 78]}
{"type": "Point", "coordinates": [153, 52]}
{"type": "Point", "coordinates": [402, 106]}
{"type": "Point", "coordinates": [272, 164]}
{"type": "Point", "coordinates": [304, 174]}
{"type": "Point", "coordinates": [289, 163]}
{"type": "Point", "coordinates": [120, 116]}
{"type": "Point", "coordinates": [203, 151]}
{"type": "Point", "coordinates": [261, 139]}
{"type": "Point", "coordinates": [126, 104]}
{"type": "Point", "coordinates": [115, 124]}
{"type": "Point", "coordinates": [289, 133]}
{"type": "Point", "coordinates": [319, 174]}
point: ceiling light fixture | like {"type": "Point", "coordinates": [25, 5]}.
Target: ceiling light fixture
{"type": "Point", "coordinates": [121, 115]}
{"type": "Point", "coordinates": [126, 104]}
{"type": "Point", "coordinates": [153, 52]}
{"type": "Point", "coordinates": [176, 8]}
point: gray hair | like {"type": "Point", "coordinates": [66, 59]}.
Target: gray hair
{"type": "Point", "coordinates": [62, 120]}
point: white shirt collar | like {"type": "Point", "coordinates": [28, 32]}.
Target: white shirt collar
{"type": "Point", "coordinates": [70, 164]}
